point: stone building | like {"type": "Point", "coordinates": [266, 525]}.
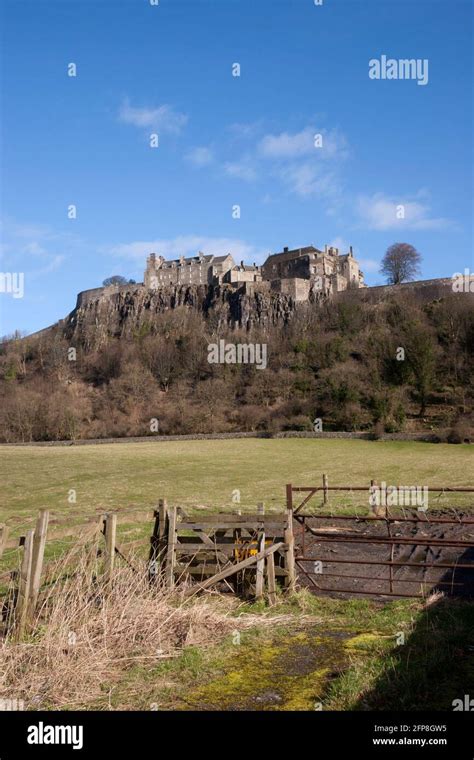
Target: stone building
{"type": "Point", "coordinates": [195, 270]}
{"type": "Point", "coordinates": [328, 270]}
{"type": "Point", "coordinates": [297, 272]}
{"type": "Point", "coordinates": [243, 273]}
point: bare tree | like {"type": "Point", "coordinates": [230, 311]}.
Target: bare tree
{"type": "Point", "coordinates": [400, 263]}
{"type": "Point", "coordinates": [116, 279]}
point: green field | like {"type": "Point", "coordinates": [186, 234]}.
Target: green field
{"type": "Point", "coordinates": [209, 472]}
{"type": "Point", "coordinates": [342, 654]}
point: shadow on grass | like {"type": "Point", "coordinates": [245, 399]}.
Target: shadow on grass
{"type": "Point", "coordinates": [435, 665]}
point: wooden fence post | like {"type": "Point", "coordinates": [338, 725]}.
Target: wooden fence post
{"type": "Point", "coordinates": [271, 579]}
{"type": "Point", "coordinates": [290, 580]}
{"type": "Point", "coordinates": [377, 509]}
{"type": "Point", "coordinates": [171, 552]}
{"type": "Point", "coordinates": [238, 578]}
{"type": "Point", "coordinates": [110, 540]}
{"type": "Point", "coordinates": [158, 541]}
{"type": "Point", "coordinates": [259, 582]}
{"type": "Point", "coordinates": [39, 542]}
{"type": "Point", "coordinates": [95, 540]}
{"type": "Point", "coordinates": [3, 538]}
{"type": "Point", "coordinates": [24, 585]}
{"type": "Point", "coordinates": [163, 529]}
{"type": "Point", "coordinates": [325, 489]}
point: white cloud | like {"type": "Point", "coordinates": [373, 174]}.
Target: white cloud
{"type": "Point", "coordinates": [241, 171]}
{"type": "Point", "coordinates": [189, 245]}
{"type": "Point", "coordinates": [164, 118]}
{"type": "Point", "coordinates": [245, 129]}
{"type": "Point", "coordinates": [53, 264]}
{"type": "Point", "coordinates": [28, 246]}
{"type": "Point", "coordinates": [34, 248]}
{"type": "Point", "coordinates": [200, 156]}
{"type": "Point", "coordinates": [379, 212]}
{"type": "Point", "coordinates": [368, 265]}
{"type": "Point", "coordinates": [330, 144]}
{"type": "Point", "coordinates": [307, 179]}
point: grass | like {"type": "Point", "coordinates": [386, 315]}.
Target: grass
{"type": "Point", "coordinates": [326, 657]}
{"type": "Point", "coordinates": [211, 472]}
{"type": "Point", "coordinates": [305, 652]}
{"type": "Point", "coordinates": [124, 645]}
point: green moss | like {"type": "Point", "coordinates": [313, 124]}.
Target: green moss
{"type": "Point", "coordinates": [366, 641]}
{"type": "Point", "coordinates": [288, 672]}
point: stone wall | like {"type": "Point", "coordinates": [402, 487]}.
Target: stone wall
{"type": "Point", "coordinates": [423, 437]}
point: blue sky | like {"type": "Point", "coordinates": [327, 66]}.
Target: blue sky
{"type": "Point", "coordinates": [226, 140]}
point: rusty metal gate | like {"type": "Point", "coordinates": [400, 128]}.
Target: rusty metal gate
{"type": "Point", "coordinates": [402, 553]}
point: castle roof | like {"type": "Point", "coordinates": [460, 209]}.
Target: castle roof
{"type": "Point", "coordinates": [187, 260]}
{"type": "Point", "coordinates": [296, 252]}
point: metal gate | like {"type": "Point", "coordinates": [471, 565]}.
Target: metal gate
{"type": "Point", "coordinates": [403, 553]}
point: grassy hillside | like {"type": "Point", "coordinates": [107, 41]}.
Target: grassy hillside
{"type": "Point", "coordinates": [194, 473]}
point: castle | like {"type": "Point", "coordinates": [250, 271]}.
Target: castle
{"type": "Point", "coordinates": [294, 272]}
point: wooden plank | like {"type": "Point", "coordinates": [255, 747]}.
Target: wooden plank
{"type": "Point", "coordinates": [110, 541]}
{"type": "Point", "coordinates": [208, 541]}
{"type": "Point", "coordinates": [24, 585]}
{"type": "Point", "coordinates": [235, 519]}
{"type": "Point", "coordinates": [171, 552]}
{"type": "Point", "coordinates": [224, 549]}
{"type": "Point", "coordinates": [271, 581]}
{"type": "Point", "coordinates": [259, 581]}
{"type": "Point", "coordinates": [244, 525]}
{"type": "Point", "coordinates": [39, 543]}
{"type": "Point", "coordinates": [290, 553]}
{"type": "Point", "coordinates": [212, 569]}
{"type": "Point", "coordinates": [235, 568]}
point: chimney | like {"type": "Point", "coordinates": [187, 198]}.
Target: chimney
{"type": "Point", "coordinates": [241, 264]}
{"type": "Point", "coordinates": [350, 249]}
{"type": "Point", "coordinates": [285, 249]}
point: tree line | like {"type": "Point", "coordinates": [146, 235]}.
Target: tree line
{"type": "Point", "coordinates": [393, 366]}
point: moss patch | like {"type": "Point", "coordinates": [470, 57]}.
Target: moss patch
{"type": "Point", "coordinates": [287, 673]}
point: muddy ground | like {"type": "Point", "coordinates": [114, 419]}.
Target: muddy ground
{"type": "Point", "coordinates": [323, 542]}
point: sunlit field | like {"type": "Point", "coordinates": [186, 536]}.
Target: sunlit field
{"type": "Point", "coordinates": [210, 472]}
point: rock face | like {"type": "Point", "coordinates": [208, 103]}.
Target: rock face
{"type": "Point", "coordinates": [129, 310]}
{"type": "Point", "coordinates": [126, 310]}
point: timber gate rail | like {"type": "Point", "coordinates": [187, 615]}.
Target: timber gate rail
{"type": "Point", "coordinates": [382, 552]}
{"type": "Point", "coordinates": [251, 554]}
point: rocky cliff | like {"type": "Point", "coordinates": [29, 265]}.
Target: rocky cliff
{"type": "Point", "coordinates": [124, 311]}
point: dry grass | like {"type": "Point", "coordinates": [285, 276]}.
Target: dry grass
{"type": "Point", "coordinates": [87, 634]}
